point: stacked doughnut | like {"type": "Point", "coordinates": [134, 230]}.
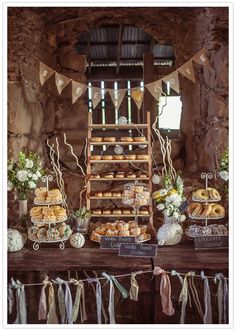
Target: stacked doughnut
{"type": "Point", "coordinates": [42, 196]}
{"type": "Point", "coordinates": [52, 233]}
{"type": "Point", "coordinates": [121, 229]}
{"type": "Point", "coordinates": [212, 210]}
{"type": "Point", "coordinates": [50, 214]}
{"type": "Point", "coordinates": [206, 194]}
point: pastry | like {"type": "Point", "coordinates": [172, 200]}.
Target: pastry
{"type": "Point", "coordinates": [53, 234]}
{"type": "Point", "coordinates": [110, 233]}
{"type": "Point", "coordinates": [107, 194]}
{"type": "Point", "coordinates": [206, 211]}
{"type": "Point", "coordinates": [96, 139]}
{"type": "Point", "coordinates": [106, 212]}
{"type": "Point", "coordinates": [135, 231]}
{"type": "Point", "coordinates": [109, 175]}
{"type": "Point", "coordinates": [143, 228]}
{"type": "Point", "coordinates": [194, 209]}
{"type": "Point", "coordinates": [142, 175]}
{"type": "Point", "coordinates": [144, 236]}
{"type": "Point", "coordinates": [116, 194]}
{"type": "Point", "coordinates": [98, 194]}
{"type": "Point", "coordinates": [42, 233]}
{"type": "Point", "coordinates": [95, 176]}
{"type": "Point", "coordinates": [126, 211]}
{"type": "Point", "coordinates": [131, 175]}
{"type": "Point", "coordinates": [110, 139]}
{"type": "Point", "coordinates": [130, 157]}
{"type": "Point", "coordinates": [117, 212]}
{"type": "Point", "coordinates": [217, 211]}
{"type": "Point", "coordinates": [201, 194]}
{"type": "Point", "coordinates": [53, 196]}
{"type": "Point", "coordinates": [120, 174]}
{"type": "Point", "coordinates": [101, 231]}
{"type": "Point", "coordinates": [138, 189]}
{"type": "Point", "coordinates": [33, 231]}
{"type": "Point", "coordinates": [64, 230]}
{"type": "Point", "coordinates": [124, 233]}
{"type": "Point", "coordinates": [97, 211]}
{"type": "Point", "coordinates": [120, 225]}
{"type": "Point", "coordinates": [126, 139]}
{"type": "Point", "coordinates": [142, 157]}
{"type": "Point", "coordinates": [132, 224]}
{"type": "Point", "coordinates": [95, 157]}
{"type": "Point", "coordinates": [140, 139]}
{"type": "Point", "coordinates": [213, 194]}
{"type": "Point", "coordinates": [107, 157]}
{"type": "Point", "coordinates": [144, 212]}
{"type": "Point", "coordinates": [95, 236]}
{"type": "Point", "coordinates": [119, 157]}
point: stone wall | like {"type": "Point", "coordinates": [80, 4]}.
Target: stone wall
{"type": "Point", "coordinates": [49, 34]}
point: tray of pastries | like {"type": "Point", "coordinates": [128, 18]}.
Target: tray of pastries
{"type": "Point", "coordinates": [209, 230]}
{"type": "Point", "coordinates": [206, 195]}
{"type": "Point", "coordinates": [53, 233]}
{"type": "Point", "coordinates": [44, 197]}
{"type": "Point", "coordinates": [120, 229]}
{"type": "Point", "coordinates": [197, 210]}
{"type": "Point", "coordinates": [52, 214]}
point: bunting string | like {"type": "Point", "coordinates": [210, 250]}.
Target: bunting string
{"type": "Point", "coordinates": [136, 93]}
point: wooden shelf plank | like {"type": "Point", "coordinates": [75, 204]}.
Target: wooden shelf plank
{"type": "Point", "coordinates": [119, 161]}
{"type": "Point", "coordinates": [121, 215]}
{"type": "Point", "coordinates": [134, 143]}
{"type": "Point", "coordinates": [117, 126]}
{"type": "Point", "coordinates": [116, 179]}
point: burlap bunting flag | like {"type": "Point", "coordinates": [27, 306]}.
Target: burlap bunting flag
{"type": "Point", "coordinates": [45, 72]}
{"type": "Point", "coordinates": [117, 96]}
{"type": "Point", "coordinates": [96, 95]}
{"type": "Point", "coordinates": [173, 79]}
{"type": "Point", "coordinates": [77, 90]}
{"type": "Point", "coordinates": [188, 71]}
{"type": "Point", "coordinates": [202, 58]}
{"type": "Point", "coordinates": [137, 96]}
{"type": "Point", "coordinates": [61, 82]}
{"type": "Point", "coordinates": [155, 89]}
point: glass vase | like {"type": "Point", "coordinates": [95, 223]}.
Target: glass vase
{"type": "Point", "coordinates": [23, 207]}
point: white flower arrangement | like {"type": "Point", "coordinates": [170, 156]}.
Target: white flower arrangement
{"type": "Point", "coordinates": [170, 198]}
{"type": "Point", "coordinates": [24, 174]}
{"type": "Point", "coordinates": [224, 166]}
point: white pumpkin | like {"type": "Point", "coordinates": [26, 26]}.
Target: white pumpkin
{"type": "Point", "coordinates": [169, 234]}
{"type": "Point", "coordinates": [15, 240]}
{"type": "Point", "coordinates": [77, 240]}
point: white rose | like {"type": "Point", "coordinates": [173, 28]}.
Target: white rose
{"type": "Point", "coordinates": [182, 218]}
{"type": "Point", "coordinates": [35, 177]}
{"type": "Point", "coordinates": [10, 166]}
{"type": "Point", "coordinates": [30, 174]}
{"type": "Point", "coordinates": [175, 214]}
{"type": "Point", "coordinates": [224, 175]}
{"type": "Point", "coordinates": [22, 175]}
{"type": "Point", "coordinates": [32, 184]}
{"type": "Point", "coordinates": [160, 206]}
{"type": "Point", "coordinates": [38, 173]}
{"type": "Point", "coordinates": [9, 185]}
{"type": "Point", "coordinates": [163, 192]}
{"type": "Point", "coordinates": [29, 164]}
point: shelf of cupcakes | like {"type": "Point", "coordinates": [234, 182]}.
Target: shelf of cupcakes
{"type": "Point", "coordinates": [119, 175]}
{"type": "Point", "coordinates": [119, 212]}
{"type": "Point", "coordinates": [119, 229]}
{"type": "Point", "coordinates": [119, 158]}
{"type": "Point", "coordinates": [118, 141]}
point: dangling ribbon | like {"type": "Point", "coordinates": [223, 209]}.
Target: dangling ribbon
{"type": "Point", "coordinates": [67, 300]}
{"type": "Point", "coordinates": [79, 303]}
{"type": "Point", "coordinates": [183, 297]}
{"type": "Point", "coordinates": [207, 319]}
{"type": "Point", "coordinates": [111, 307]}
{"type": "Point", "coordinates": [123, 291]}
{"type": "Point", "coordinates": [99, 302]}
{"type": "Point", "coordinates": [195, 295]}
{"type": "Point", "coordinates": [10, 298]}
{"type": "Point", "coordinates": [165, 291]}
{"type": "Point", "coordinates": [222, 295]}
{"type": "Point", "coordinates": [134, 288]}
{"type": "Point", "coordinates": [21, 313]}
{"type": "Point", "coordinates": [42, 312]}
{"type": "Point", "coordinates": [61, 303]}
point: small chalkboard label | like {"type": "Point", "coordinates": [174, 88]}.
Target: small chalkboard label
{"type": "Point", "coordinates": [211, 242]}
{"type": "Point", "coordinates": [138, 250]}
{"type": "Point", "coordinates": [114, 242]}
{"type": "Point", "coordinates": [183, 206]}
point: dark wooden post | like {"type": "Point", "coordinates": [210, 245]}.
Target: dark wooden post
{"type": "Point", "coordinates": [149, 103]}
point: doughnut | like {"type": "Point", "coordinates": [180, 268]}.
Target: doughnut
{"type": "Point", "coordinates": [98, 194]}
{"type": "Point", "coordinates": [110, 139]}
{"type": "Point", "coordinates": [214, 194]}
{"type": "Point", "coordinates": [107, 194]}
{"type": "Point", "coordinates": [126, 139]}
{"type": "Point", "coordinates": [201, 194]}
{"type": "Point", "coordinates": [195, 209]}
{"type": "Point", "coordinates": [106, 212]}
{"type": "Point", "coordinates": [120, 174]}
{"type": "Point", "coordinates": [116, 194]}
{"type": "Point", "coordinates": [95, 157]}
{"type": "Point", "coordinates": [107, 157]}
{"type": "Point", "coordinates": [206, 210]}
{"type": "Point", "coordinates": [142, 157]}
{"type": "Point", "coordinates": [130, 157]}
{"type": "Point", "coordinates": [217, 210]}
{"type": "Point", "coordinates": [139, 139]}
{"type": "Point", "coordinates": [119, 157]}
{"type": "Point", "coordinates": [131, 175]}
{"type": "Point", "coordinates": [96, 139]}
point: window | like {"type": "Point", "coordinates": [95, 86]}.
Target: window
{"type": "Point", "coordinates": [171, 115]}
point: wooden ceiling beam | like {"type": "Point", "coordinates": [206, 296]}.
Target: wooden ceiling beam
{"type": "Point", "coordinates": [119, 48]}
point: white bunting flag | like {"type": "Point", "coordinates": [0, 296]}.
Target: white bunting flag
{"type": "Point", "coordinates": [202, 58]}
{"type": "Point", "coordinates": [173, 79]}
{"type": "Point", "coordinates": [96, 96]}
{"type": "Point", "coordinates": [61, 82]}
{"type": "Point", "coordinates": [45, 72]}
{"type": "Point", "coordinates": [77, 90]}
{"type": "Point", "coordinates": [117, 96]}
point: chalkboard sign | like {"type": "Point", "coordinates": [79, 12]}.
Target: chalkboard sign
{"type": "Point", "coordinates": [114, 242]}
{"type": "Point", "coordinates": [211, 242]}
{"type": "Point", "coordinates": [139, 250]}
{"type": "Point", "coordinates": [183, 206]}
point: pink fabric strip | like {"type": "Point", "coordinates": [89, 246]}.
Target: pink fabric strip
{"type": "Point", "coordinates": [165, 291]}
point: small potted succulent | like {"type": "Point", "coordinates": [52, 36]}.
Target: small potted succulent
{"type": "Point", "coordinates": [82, 218]}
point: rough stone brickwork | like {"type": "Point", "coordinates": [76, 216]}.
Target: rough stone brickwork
{"type": "Point", "coordinates": [49, 34]}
